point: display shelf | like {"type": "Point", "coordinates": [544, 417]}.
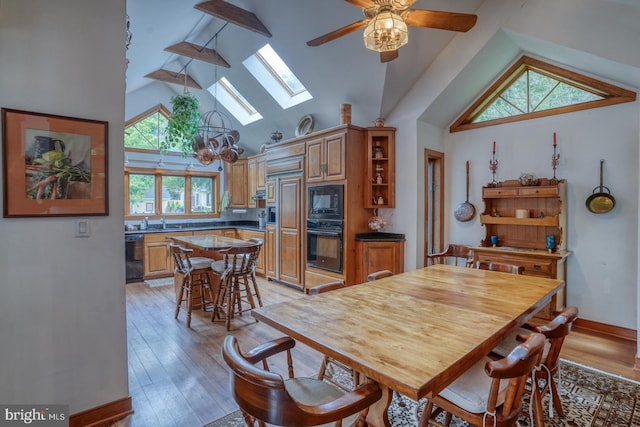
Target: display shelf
{"type": "Point", "coordinates": [380, 159]}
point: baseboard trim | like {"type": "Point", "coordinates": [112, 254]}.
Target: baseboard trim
{"type": "Point", "coordinates": [603, 328]}
{"type": "Point", "coordinates": [104, 415]}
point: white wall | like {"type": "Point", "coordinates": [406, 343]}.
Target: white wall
{"type": "Point", "coordinates": [601, 270]}
{"type": "Point", "coordinates": [602, 274]}
{"type": "Point", "coordinates": [62, 300]}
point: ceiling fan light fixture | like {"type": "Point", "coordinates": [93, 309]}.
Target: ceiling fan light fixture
{"type": "Point", "coordinates": [385, 32]}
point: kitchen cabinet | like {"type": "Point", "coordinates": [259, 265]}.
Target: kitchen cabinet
{"type": "Point", "coordinates": [271, 191]}
{"type": "Point", "coordinates": [290, 229]}
{"type": "Point", "coordinates": [521, 217]}
{"type": "Point", "coordinates": [326, 158]}
{"type": "Point", "coordinates": [379, 251]}
{"type": "Point", "coordinates": [379, 188]}
{"type": "Point", "coordinates": [157, 259]}
{"type": "Point", "coordinates": [256, 176]}
{"type": "Point", "coordinates": [270, 244]}
{"type": "Point", "coordinates": [237, 183]}
{"type": "Point", "coordinates": [250, 234]}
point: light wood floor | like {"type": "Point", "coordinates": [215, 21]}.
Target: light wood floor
{"type": "Point", "coordinates": [177, 376]}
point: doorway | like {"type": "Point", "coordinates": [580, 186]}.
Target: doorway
{"type": "Point", "coordinates": [433, 202]}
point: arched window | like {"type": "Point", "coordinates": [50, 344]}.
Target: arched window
{"type": "Point", "coordinates": [532, 88]}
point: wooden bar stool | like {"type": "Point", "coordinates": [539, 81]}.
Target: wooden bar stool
{"type": "Point", "coordinates": [234, 293]}
{"type": "Point", "coordinates": [195, 273]}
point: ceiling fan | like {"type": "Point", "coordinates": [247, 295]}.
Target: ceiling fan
{"type": "Point", "coordinates": [386, 21]}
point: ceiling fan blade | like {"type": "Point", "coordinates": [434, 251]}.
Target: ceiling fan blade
{"type": "Point", "coordinates": [338, 33]}
{"type": "Point", "coordinates": [441, 20]}
{"type": "Point", "coordinates": [234, 14]}
{"type": "Point", "coordinates": [388, 56]}
{"type": "Point", "coordinates": [364, 4]}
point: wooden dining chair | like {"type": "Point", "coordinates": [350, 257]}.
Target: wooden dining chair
{"type": "Point", "coordinates": [499, 266]}
{"type": "Point", "coordinates": [266, 397]}
{"type": "Point", "coordinates": [454, 254]}
{"type": "Point", "coordinates": [379, 275]}
{"type": "Point", "coordinates": [327, 372]}
{"type": "Point", "coordinates": [555, 333]}
{"type": "Point", "coordinates": [490, 392]}
{"type": "Point", "coordinates": [195, 273]}
{"type": "Point", "coordinates": [236, 270]}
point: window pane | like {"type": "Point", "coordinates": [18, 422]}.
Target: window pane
{"type": "Point", "coordinates": [172, 194]}
{"type": "Point", "coordinates": [142, 191]}
{"type": "Point", "coordinates": [201, 194]}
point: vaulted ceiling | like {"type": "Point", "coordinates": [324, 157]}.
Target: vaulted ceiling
{"type": "Point", "coordinates": [341, 71]}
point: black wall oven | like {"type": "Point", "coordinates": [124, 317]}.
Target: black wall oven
{"type": "Point", "coordinates": [324, 245]}
{"type": "Point", "coordinates": [325, 202]}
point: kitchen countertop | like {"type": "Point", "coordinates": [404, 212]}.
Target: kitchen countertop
{"type": "Point", "coordinates": [378, 236]}
{"type": "Point", "coordinates": [157, 228]}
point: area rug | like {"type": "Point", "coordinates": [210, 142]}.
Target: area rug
{"type": "Point", "coordinates": [164, 281]}
{"type": "Point", "coordinates": [591, 398]}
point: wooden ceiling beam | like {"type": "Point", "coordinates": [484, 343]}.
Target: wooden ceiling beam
{"type": "Point", "coordinates": [200, 53]}
{"type": "Point", "coordinates": [234, 14]}
{"type": "Point", "coordinates": [173, 77]}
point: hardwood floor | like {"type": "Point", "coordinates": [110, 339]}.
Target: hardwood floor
{"type": "Point", "coordinates": [177, 376]}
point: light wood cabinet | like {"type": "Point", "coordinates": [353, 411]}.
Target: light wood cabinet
{"type": "Point", "coordinates": [522, 239]}
{"type": "Point", "coordinates": [271, 191]}
{"type": "Point", "coordinates": [237, 183]}
{"type": "Point", "coordinates": [256, 176]}
{"type": "Point", "coordinates": [377, 255]}
{"type": "Point", "coordinates": [157, 259]}
{"type": "Point", "coordinates": [326, 158]}
{"type": "Point", "coordinates": [381, 177]}
{"type": "Point", "coordinates": [270, 243]}
{"type": "Point", "coordinates": [290, 196]}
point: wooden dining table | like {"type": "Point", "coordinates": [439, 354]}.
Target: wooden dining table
{"type": "Point", "coordinates": [413, 332]}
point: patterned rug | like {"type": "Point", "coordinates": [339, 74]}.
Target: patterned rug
{"type": "Point", "coordinates": [591, 398]}
{"type": "Point", "coordinates": [164, 281]}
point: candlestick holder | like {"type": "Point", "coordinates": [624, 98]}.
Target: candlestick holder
{"type": "Point", "coordinates": [493, 167]}
{"type": "Point", "coordinates": [555, 160]}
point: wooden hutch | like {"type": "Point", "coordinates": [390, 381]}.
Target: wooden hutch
{"type": "Point", "coordinates": [521, 217]}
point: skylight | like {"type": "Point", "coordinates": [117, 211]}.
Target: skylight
{"type": "Point", "coordinates": [234, 102]}
{"type": "Point", "coordinates": [276, 77]}
{"type": "Point", "coordinates": [532, 88]}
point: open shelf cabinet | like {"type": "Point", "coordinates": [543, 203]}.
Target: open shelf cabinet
{"type": "Point", "coordinates": [379, 188]}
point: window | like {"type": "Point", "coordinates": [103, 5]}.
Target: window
{"type": "Point", "coordinates": [171, 193]}
{"type": "Point", "coordinates": [234, 102]}
{"type": "Point", "coordinates": [276, 77]}
{"type": "Point", "coordinates": [145, 131]}
{"type": "Point", "coordinates": [532, 88]}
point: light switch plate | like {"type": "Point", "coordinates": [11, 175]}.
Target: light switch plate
{"type": "Point", "coordinates": [82, 228]}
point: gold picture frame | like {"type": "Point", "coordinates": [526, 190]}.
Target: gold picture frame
{"type": "Point", "coordinates": [53, 165]}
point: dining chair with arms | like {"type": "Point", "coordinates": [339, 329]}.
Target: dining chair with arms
{"type": "Point", "coordinates": [327, 373]}
{"type": "Point", "coordinates": [498, 266]}
{"type": "Point", "coordinates": [234, 293]}
{"type": "Point", "coordinates": [555, 333]}
{"type": "Point", "coordinates": [379, 275]}
{"type": "Point", "coordinates": [195, 273]}
{"type": "Point", "coordinates": [490, 392]}
{"type": "Point", "coordinates": [265, 397]}
{"type": "Point", "coordinates": [454, 254]}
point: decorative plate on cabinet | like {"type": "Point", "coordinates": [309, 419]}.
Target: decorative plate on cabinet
{"type": "Point", "coordinates": [305, 125]}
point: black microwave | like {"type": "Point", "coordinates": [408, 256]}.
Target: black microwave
{"type": "Point", "coordinates": [325, 201]}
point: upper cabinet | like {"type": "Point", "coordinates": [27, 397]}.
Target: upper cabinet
{"type": "Point", "coordinates": [237, 183]}
{"type": "Point", "coordinates": [325, 158]}
{"type": "Point", "coordinates": [256, 176]}
{"type": "Point", "coordinates": [379, 189]}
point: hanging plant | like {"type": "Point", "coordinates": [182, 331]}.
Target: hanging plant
{"type": "Point", "coordinates": [182, 125]}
